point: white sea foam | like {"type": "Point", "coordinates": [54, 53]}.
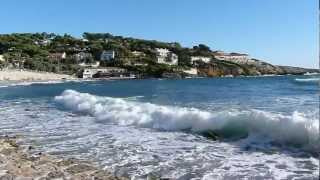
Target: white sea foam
{"type": "Point", "coordinates": [296, 129]}
{"type": "Point", "coordinates": [28, 83]}
{"type": "Point", "coordinates": [311, 74]}
{"type": "Point", "coordinates": [307, 79]}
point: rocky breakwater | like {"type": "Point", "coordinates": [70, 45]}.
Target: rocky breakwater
{"type": "Point", "coordinates": [17, 162]}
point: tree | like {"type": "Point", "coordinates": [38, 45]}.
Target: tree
{"type": "Point", "coordinates": [203, 47]}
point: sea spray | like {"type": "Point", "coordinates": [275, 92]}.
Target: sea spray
{"type": "Point", "coordinates": [296, 129]}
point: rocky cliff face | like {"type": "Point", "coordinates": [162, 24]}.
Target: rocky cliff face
{"type": "Point", "coordinates": [221, 68]}
{"type": "Point", "coordinates": [297, 70]}
{"type": "Point", "coordinates": [250, 67]}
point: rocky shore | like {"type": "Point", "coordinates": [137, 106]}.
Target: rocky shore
{"type": "Point", "coordinates": [252, 67]}
{"type": "Point", "coordinates": [18, 162]}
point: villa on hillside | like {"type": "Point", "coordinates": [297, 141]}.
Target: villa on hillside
{"type": "Point", "coordinates": [164, 56]}
{"type": "Point", "coordinates": [107, 55]}
{"type": "Point", "coordinates": [220, 55]}
{"type": "Point", "coordinates": [195, 59]}
{"type": "Point", "coordinates": [83, 57]}
{"type": "Point", "coordinates": [44, 42]}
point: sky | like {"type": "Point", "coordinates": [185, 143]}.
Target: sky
{"type": "Point", "coordinates": [282, 32]}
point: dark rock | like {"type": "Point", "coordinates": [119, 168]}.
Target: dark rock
{"type": "Point", "coordinates": [211, 135]}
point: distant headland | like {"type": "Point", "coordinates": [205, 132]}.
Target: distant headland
{"type": "Point", "coordinates": [103, 55]}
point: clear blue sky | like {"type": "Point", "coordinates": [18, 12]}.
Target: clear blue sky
{"type": "Point", "coordinates": [282, 32]}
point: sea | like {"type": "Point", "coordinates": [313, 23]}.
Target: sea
{"type": "Point", "coordinates": [204, 128]}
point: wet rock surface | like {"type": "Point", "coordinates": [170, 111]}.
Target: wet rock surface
{"type": "Point", "coordinates": [17, 162]}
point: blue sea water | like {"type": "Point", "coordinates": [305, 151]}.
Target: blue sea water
{"type": "Point", "coordinates": [268, 127]}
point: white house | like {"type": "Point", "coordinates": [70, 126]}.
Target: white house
{"type": "Point", "coordinates": [164, 56]}
{"type": "Point", "coordinates": [107, 55]}
{"type": "Point", "coordinates": [43, 42]}
{"type": "Point", "coordinates": [83, 56]}
{"type": "Point", "coordinates": [90, 72]}
{"type": "Point", "coordinates": [194, 59]}
{"type": "Point", "coordinates": [220, 55]}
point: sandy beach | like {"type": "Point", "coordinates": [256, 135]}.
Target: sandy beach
{"type": "Point", "coordinates": [26, 75]}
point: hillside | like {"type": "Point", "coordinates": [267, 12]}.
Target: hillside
{"type": "Point", "coordinates": [148, 58]}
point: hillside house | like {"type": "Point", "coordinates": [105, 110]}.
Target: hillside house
{"type": "Point", "coordinates": [195, 59]}
{"type": "Point", "coordinates": [107, 55]}
{"type": "Point", "coordinates": [220, 55]}
{"type": "Point", "coordinates": [83, 57]}
{"type": "Point", "coordinates": [164, 56]}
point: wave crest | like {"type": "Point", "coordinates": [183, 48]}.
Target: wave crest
{"type": "Point", "coordinates": [296, 129]}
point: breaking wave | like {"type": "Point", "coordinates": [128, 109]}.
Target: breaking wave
{"type": "Point", "coordinates": [297, 129]}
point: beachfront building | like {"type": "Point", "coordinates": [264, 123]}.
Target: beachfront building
{"type": "Point", "coordinates": [164, 56]}
{"type": "Point", "coordinates": [195, 59]}
{"type": "Point", "coordinates": [103, 72]}
{"type": "Point", "coordinates": [234, 57]}
{"type": "Point", "coordinates": [108, 55]}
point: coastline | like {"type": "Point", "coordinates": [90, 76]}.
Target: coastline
{"type": "Point", "coordinates": [18, 162]}
{"type": "Point", "coordinates": [22, 77]}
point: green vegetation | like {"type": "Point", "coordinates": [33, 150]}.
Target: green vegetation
{"type": "Point", "coordinates": [44, 52]}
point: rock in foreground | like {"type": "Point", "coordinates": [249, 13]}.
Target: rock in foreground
{"type": "Point", "coordinates": [19, 163]}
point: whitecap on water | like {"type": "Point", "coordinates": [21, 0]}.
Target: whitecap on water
{"type": "Point", "coordinates": [307, 79]}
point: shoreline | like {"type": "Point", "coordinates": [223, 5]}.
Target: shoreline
{"type": "Point", "coordinates": [22, 75]}
{"type": "Point", "coordinates": [17, 77]}
{"type": "Point", "coordinates": [18, 162]}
